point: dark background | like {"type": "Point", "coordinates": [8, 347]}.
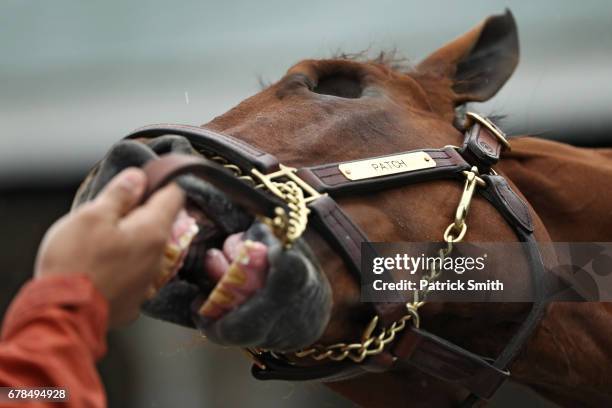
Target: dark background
{"type": "Point", "coordinates": [76, 76]}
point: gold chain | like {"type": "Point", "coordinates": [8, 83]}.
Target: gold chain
{"type": "Point", "coordinates": [237, 171]}
{"type": "Point", "coordinates": [293, 223]}
{"type": "Point", "coordinates": [372, 344]}
{"type": "Point", "coordinates": [289, 225]}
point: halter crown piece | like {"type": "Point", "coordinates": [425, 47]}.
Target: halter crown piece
{"type": "Point", "coordinates": [291, 200]}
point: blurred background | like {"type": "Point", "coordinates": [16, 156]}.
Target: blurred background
{"type": "Point", "coordinates": [75, 76]}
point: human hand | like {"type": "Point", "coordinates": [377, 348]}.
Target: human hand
{"type": "Point", "coordinates": [117, 243]}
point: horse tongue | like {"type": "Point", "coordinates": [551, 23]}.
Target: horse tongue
{"type": "Point", "coordinates": [236, 282]}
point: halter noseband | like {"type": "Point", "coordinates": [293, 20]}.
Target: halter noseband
{"type": "Point", "coordinates": [288, 199]}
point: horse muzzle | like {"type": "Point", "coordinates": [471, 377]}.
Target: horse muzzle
{"type": "Point", "coordinates": [282, 303]}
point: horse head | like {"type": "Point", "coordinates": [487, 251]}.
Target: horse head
{"type": "Point", "coordinates": [337, 110]}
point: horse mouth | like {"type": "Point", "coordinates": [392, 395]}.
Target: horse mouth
{"type": "Point", "coordinates": [209, 236]}
{"type": "Point", "coordinates": [280, 299]}
{"type": "Point", "coordinates": [250, 291]}
{"type": "Point", "coordinates": [222, 289]}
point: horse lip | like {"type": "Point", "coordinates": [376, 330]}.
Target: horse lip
{"type": "Point", "coordinates": [226, 216]}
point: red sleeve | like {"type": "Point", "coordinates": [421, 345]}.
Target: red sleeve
{"type": "Point", "coordinates": [52, 335]}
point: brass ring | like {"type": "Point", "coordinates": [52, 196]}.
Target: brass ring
{"type": "Point", "coordinates": [492, 127]}
{"type": "Point", "coordinates": [451, 238]}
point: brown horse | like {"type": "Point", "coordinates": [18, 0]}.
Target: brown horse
{"type": "Point", "coordinates": [334, 110]}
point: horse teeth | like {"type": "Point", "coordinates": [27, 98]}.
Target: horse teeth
{"type": "Point", "coordinates": [207, 308]}
{"type": "Point", "coordinates": [168, 261]}
{"type": "Point", "coordinates": [167, 270]}
{"type": "Point", "coordinates": [221, 297]}
{"type": "Point", "coordinates": [185, 240]}
{"type": "Point", "coordinates": [172, 253]}
{"type": "Point", "coordinates": [217, 299]}
{"type": "Point", "coordinates": [235, 275]}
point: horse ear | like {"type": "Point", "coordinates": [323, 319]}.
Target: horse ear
{"type": "Point", "coordinates": [480, 61]}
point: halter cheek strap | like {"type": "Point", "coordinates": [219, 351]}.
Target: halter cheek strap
{"type": "Point", "coordinates": [246, 167]}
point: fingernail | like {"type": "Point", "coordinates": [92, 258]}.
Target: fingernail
{"type": "Point", "coordinates": [131, 179]}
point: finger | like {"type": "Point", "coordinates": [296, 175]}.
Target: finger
{"type": "Point", "coordinates": [122, 193]}
{"type": "Point", "coordinates": [160, 210]}
{"type": "Point", "coordinates": [165, 204]}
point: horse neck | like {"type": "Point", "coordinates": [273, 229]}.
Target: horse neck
{"type": "Point", "coordinates": [566, 359]}
{"type": "Point", "coordinates": [573, 339]}
{"type": "Point", "coordinates": [558, 179]}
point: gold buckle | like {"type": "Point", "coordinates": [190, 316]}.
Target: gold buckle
{"type": "Point", "coordinates": [296, 194]}
{"type": "Point", "coordinates": [290, 173]}
{"type": "Point", "coordinates": [492, 127]}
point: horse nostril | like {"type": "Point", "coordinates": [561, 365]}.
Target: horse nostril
{"type": "Point", "coordinates": [127, 153]}
{"type": "Point", "coordinates": [130, 153]}
{"type": "Point", "coordinates": [170, 144]}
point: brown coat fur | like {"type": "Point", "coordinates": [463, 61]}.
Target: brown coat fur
{"type": "Point", "coordinates": [567, 187]}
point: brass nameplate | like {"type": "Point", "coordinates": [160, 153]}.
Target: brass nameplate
{"type": "Point", "coordinates": [386, 165]}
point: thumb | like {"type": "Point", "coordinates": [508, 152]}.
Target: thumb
{"type": "Point", "coordinates": [122, 193]}
{"type": "Point", "coordinates": [160, 210]}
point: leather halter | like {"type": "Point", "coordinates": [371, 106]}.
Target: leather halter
{"type": "Point", "coordinates": [413, 346]}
